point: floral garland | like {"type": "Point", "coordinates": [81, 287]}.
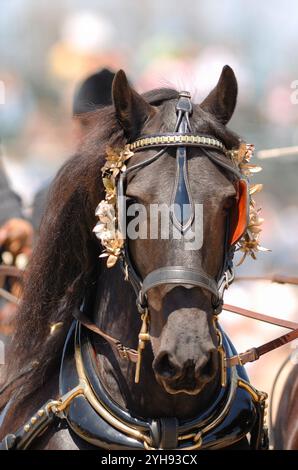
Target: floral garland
{"type": "Point", "coordinates": [112, 240]}
{"type": "Point", "coordinates": [106, 228]}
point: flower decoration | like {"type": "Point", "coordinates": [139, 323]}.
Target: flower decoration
{"type": "Point", "coordinates": [106, 228]}
{"type": "Point", "coordinates": [249, 244]}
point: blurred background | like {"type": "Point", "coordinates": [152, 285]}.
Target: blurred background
{"type": "Point", "coordinates": [47, 48]}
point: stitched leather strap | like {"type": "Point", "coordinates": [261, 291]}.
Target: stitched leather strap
{"type": "Point", "coordinates": [123, 351]}
{"type": "Point", "coordinates": [253, 354]}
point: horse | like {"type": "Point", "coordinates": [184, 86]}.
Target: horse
{"type": "Point", "coordinates": [71, 382]}
{"type": "Point", "coordinates": [285, 431]}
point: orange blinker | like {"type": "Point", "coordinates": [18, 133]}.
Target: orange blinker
{"type": "Point", "coordinates": [239, 214]}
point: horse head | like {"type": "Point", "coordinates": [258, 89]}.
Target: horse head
{"type": "Point", "coordinates": [182, 330]}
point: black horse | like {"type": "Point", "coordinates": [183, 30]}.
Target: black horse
{"type": "Point", "coordinates": [186, 396]}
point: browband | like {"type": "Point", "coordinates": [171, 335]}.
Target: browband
{"type": "Point", "coordinates": [174, 139]}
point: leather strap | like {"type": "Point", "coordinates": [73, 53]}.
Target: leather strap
{"type": "Point", "coordinates": [26, 434]}
{"type": "Point", "coordinates": [278, 278]}
{"type": "Point", "coordinates": [253, 354]}
{"type": "Point", "coordinates": [261, 317]}
{"type": "Point", "coordinates": [123, 351]}
{"type": "Point", "coordinates": [240, 359]}
{"type": "Point", "coordinates": [169, 433]}
{"type": "Point", "coordinates": [178, 275]}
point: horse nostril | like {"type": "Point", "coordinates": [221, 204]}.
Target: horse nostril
{"type": "Point", "coordinates": [165, 368]}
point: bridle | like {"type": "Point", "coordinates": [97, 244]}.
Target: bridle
{"type": "Point", "coordinates": [182, 138]}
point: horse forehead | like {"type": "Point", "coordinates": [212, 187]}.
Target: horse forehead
{"type": "Point", "coordinates": [156, 181]}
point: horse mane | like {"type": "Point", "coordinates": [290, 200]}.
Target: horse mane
{"type": "Point", "coordinates": [66, 255]}
{"type": "Point", "coordinates": [63, 261]}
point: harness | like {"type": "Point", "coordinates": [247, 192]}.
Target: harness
{"type": "Point", "coordinates": [93, 414]}
{"type": "Point", "coordinates": [82, 394]}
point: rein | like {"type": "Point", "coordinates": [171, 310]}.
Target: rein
{"type": "Point", "coordinates": [251, 355]}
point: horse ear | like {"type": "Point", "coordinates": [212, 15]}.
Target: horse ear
{"type": "Point", "coordinates": [221, 101]}
{"type": "Point", "coordinates": [131, 109]}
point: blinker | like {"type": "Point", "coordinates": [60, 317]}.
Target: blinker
{"type": "Point", "coordinates": [240, 213]}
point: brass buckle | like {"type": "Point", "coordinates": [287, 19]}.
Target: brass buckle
{"type": "Point", "coordinates": [123, 351]}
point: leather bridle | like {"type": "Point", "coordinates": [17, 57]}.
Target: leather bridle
{"type": "Point", "coordinates": [181, 139]}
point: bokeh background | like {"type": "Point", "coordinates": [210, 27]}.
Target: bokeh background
{"type": "Point", "coordinates": [47, 48]}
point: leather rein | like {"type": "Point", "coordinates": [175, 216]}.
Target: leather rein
{"type": "Point", "coordinates": [251, 355]}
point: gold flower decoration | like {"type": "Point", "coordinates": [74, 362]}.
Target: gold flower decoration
{"type": "Point", "coordinates": [106, 228]}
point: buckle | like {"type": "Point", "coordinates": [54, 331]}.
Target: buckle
{"type": "Point", "coordinates": [184, 103]}
{"type": "Point", "coordinates": [225, 281]}
{"type": "Point", "coordinates": [123, 351]}
{"type": "Point", "coordinates": [142, 308]}
{"type": "Point", "coordinates": [185, 94]}
{"type": "Point", "coordinates": [250, 355]}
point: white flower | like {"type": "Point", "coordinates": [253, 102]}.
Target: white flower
{"type": "Point", "coordinates": [99, 228]}
{"type": "Point", "coordinates": [105, 210]}
{"type": "Point", "coordinates": [107, 235]}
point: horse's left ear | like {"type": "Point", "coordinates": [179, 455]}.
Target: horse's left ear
{"type": "Point", "coordinates": [221, 101]}
{"type": "Point", "coordinates": [131, 109]}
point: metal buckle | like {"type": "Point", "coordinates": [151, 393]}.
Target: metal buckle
{"type": "Point", "coordinates": [123, 351]}
{"type": "Point", "coordinates": [185, 94]}
{"type": "Point", "coordinates": [226, 280]}
{"type": "Point", "coordinates": [140, 306]}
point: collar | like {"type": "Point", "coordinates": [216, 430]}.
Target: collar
{"type": "Point", "coordinates": [98, 419]}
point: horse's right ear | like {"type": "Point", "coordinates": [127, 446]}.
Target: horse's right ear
{"type": "Point", "coordinates": [221, 101]}
{"type": "Point", "coordinates": [131, 109]}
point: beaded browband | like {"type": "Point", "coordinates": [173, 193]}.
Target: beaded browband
{"type": "Point", "coordinates": [161, 140]}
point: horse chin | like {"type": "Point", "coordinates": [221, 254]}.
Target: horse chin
{"type": "Point", "coordinates": [171, 389]}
